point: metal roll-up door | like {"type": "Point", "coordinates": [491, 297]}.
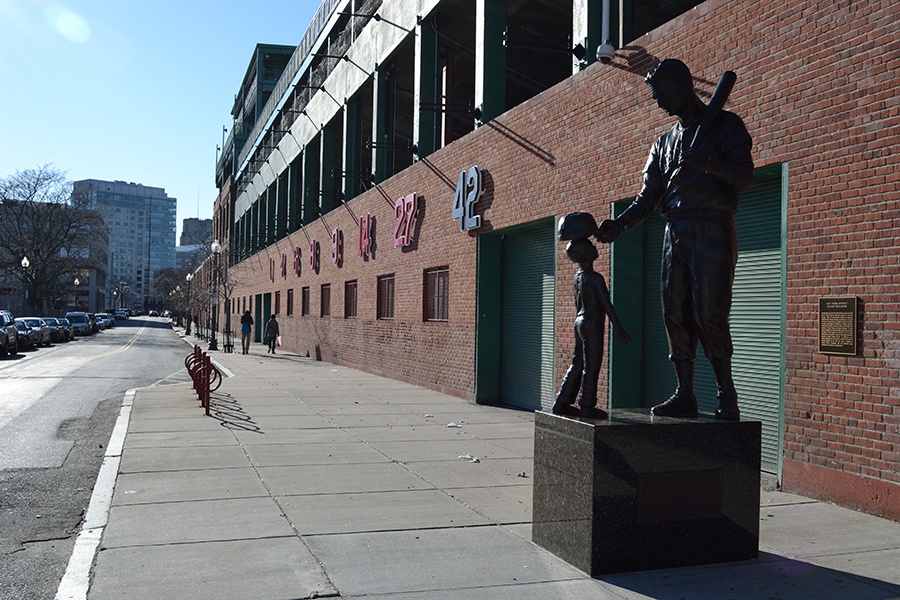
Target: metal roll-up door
{"type": "Point", "coordinates": [528, 301]}
{"type": "Point", "coordinates": [757, 317]}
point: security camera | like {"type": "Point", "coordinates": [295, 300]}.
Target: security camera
{"type": "Point", "coordinates": [605, 52]}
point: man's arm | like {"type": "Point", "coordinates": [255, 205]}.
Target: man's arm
{"type": "Point", "coordinates": [734, 165]}
{"type": "Point", "coordinates": [648, 198]}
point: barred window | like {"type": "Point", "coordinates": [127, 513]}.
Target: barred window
{"type": "Point", "coordinates": [278, 303]}
{"type": "Point", "coordinates": [350, 298]}
{"type": "Point", "coordinates": [290, 302]}
{"type": "Point", "coordinates": [325, 301]}
{"type": "Point", "coordinates": [437, 294]}
{"type": "Point", "coordinates": [386, 297]}
{"type": "Point", "coordinates": [304, 302]}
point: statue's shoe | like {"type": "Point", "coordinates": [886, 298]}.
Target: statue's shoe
{"type": "Point", "coordinates": [677, 406]}
{"type": "Point", "coordinates": [727, 407]}
{"type": "Point", "coordinates": [592, 412]}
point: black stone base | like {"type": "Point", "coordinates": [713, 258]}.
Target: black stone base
{"type": "Point", "coordinates": [639, 492]}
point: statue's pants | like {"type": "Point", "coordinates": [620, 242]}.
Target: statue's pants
{"type": "Point", "coordinates": [585, 368]}
{"type": "Point", "coordinates": [698, 261]}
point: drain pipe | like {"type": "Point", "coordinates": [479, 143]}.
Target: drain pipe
{"type": "Point", "coordinates": [605, 52]}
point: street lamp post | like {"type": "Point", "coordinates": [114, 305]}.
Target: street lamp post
{"type": "Point", "coordinates": [216, 247]}
{"type": "Point", "coordinates": [76, 282]}
{"type": "Point", "coordinates": [189, 277]}
{"type": "Point", "coordinates": [25, 264]}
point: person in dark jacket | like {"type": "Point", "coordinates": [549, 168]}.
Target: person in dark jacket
{"type": "Point", "coordinates": [272, 333]}
{"type": "Point", "coordinates": [246, 328]}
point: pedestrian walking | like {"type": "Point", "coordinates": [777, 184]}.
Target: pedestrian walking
{"type": "Point", "coordinates": [272, 333]}
{"type": "Point", "coordinates": [246, 325]}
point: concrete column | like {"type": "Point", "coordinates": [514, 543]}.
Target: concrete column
{"type": "Point", "coordinates": [426, 77]}
{"type": "Point", "coordinates": [294, 195]}
{"type": "Point", "coordinates": [254, 227]}
{"type": "Point", "coordinates": [587, 21]}
{"type": "Point", "coordinates": [328, 194]}
{"type": "Point", "coordinates": [310, 210]}
{"type": "Point", "coordinates": [281, 218]}
{"type": "Point", "coordinates": [352, 149]}
{"type": "Point", "coordinates": [272, 213]}
{"type": "Point", "coordinates": [380, 101]}
{"type": "Point", "coordinates": [490, 58]}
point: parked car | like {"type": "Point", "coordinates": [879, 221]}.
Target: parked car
{"type": "Point", "coordinates": [9, 335]}
{"type": "Point", "coordinates": [95, 325]}
{"type": "Point", "coordinates": [120, 315]}
{"type": "Point", "coordinates": [67, 327]}
{"type": "Point", "coordinates": [79, 322]}
{"type": "Point", "coordinates": [153, 313]}
{"type": "Point", "coordinates": [38, 325]}
{"type": "Point", "coordinates": [27, 336]}
{"type": "Point", "coordinates": [106, 320]}
{"type": "Point", "coordinates": [53, 324]}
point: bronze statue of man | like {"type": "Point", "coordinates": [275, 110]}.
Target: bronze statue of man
{"type": "Point", "coordinates": [696, 188]}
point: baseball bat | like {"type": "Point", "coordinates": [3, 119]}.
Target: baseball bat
{"type": "Point", "coordinates": [712, 110]}
{"type": "Point", "coordinates": [715, 106]}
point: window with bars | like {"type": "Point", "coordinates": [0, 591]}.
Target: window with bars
{"type": "Point", "coordinates": [350, 299]}
{"type": "Point", "coordinates": [325, 301]}
{"type": "Point", "coordinates": [386, 297]}
{"type": "Point", "coordinates": [437, 294]}
{"type": "Point", "coordinates": [290, 302]}
{"type": "Point", "coordinates": [278, 303]}
{"type": "Point", "coordinates": [304, 302]}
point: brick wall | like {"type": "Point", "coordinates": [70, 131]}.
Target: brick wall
{"type": "Point", "coordinates": [817, 89]}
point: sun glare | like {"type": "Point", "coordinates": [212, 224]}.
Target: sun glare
{"type": "Point", "coordinates": [68, 23]}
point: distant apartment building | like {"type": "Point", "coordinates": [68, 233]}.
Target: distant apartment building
{"type": "Point", "coordinates": [188, 258]}
{"type": "Point", "coordinates": [141, 221]}
{"type": "Point", "coordinates": [195, 231]}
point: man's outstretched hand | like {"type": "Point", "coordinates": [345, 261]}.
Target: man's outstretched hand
{"type": "Point", "coordinates": [608, 231]}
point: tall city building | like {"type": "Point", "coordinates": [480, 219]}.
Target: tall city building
{"type": "Point", "coordinates": [141, 221]}
{"type": "Point", "coordinates": [195, 231]}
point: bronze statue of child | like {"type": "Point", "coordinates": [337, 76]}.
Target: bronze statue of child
{"type": "Point", "coordinates": [593, 304]}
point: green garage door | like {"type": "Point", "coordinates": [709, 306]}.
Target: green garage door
{"type": "Point", "coordinates": [527, 332]}
{"type": "Point", "coordinates": [757, 316]}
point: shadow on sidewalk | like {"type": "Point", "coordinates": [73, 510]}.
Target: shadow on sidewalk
{"type": "Point", "coordinates": [226, 410]}
{"type": "Point", "coordinates": [772, 576]}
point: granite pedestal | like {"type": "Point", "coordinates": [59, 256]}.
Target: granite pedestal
{"type": "Point", "coordinates": [639, 492]}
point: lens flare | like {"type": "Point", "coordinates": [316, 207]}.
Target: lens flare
{"type": "Point", "coordinates": [68, 23]}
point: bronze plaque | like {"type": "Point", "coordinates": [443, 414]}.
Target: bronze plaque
{"type": "Point", "coordinates": [837, 325]}
{"type": "Point", "coordinates": [679, 496]}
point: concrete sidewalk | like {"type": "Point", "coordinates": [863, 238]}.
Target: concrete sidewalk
{"type": "Point", "coordinates": [314, 480]}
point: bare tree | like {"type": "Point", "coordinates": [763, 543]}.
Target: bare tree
{"type": "Point", "coordinates": [41, 218]}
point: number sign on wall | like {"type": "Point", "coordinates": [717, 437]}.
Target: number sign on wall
{"type": "Point", "coordinates": [405, 211]}
{"type": "Point", "coordinates": [468, 191]}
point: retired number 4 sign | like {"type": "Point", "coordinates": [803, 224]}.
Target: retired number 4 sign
{"type": "Point", "coordinates": [468, 191]}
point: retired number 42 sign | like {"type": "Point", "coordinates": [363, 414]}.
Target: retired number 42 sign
{"type": "Point", "coordinates": [468, 191]}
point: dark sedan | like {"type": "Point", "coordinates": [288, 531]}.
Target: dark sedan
{"type": "Point", "coordinates": [27, 336]}
{"type": "Point", "coordinates": [38, 325]}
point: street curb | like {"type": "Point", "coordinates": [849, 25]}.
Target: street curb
{"type": "Point", "coordinates": [77, 578]}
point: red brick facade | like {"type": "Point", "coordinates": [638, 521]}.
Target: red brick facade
{"type": "Point", "coordinates": [818, 91]}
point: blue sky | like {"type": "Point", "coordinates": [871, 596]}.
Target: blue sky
{"type": "Point", "coordinates": [131, 90]}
